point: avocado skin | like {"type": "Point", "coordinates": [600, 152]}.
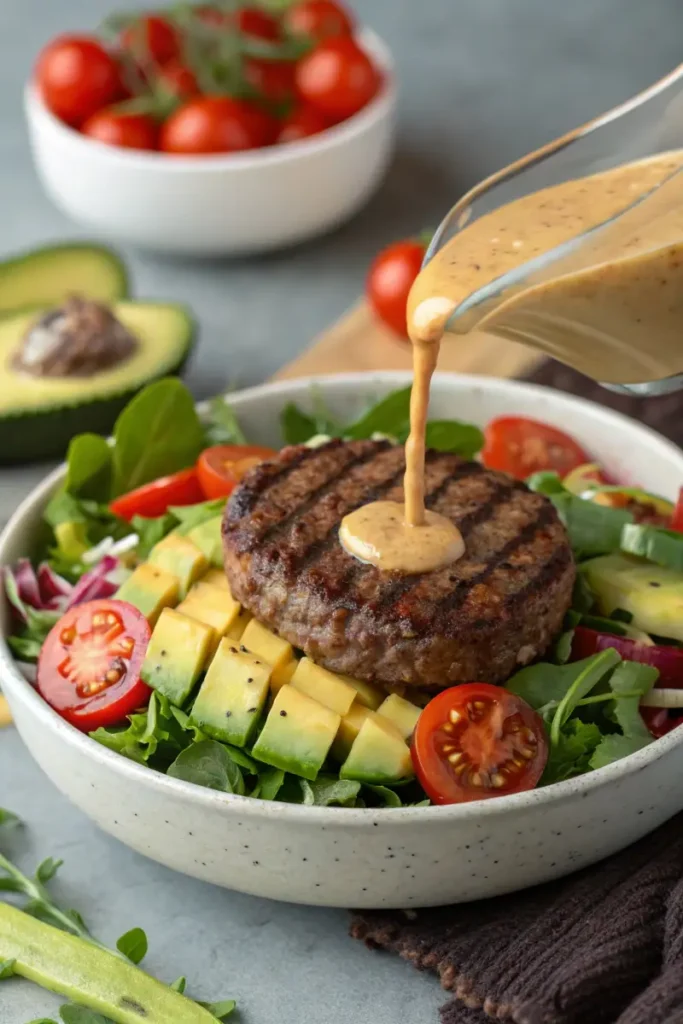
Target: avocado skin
{"type": "Point", "coordinates": [46, 433]}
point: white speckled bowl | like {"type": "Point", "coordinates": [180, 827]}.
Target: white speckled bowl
{"type": "Point", "coordinates": [371, 858]}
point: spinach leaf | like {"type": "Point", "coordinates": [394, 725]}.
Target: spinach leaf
{"type": "Point", "coordinates": [593, 529]}
{"type": "Point", "coordinates": [307, 795]}
{"type": "Point", "coordinates": [89, 468]}
{"type": "Point", "coordinates": [151, 531]}
{"type": "Point", "coordinates": [158, 433]}
{"type": "Point", "coordinates": [189, 516]}
{"type": "Point", "coordinates": [297, 427]}
{"type": "Point", "coordinates": [222, 426]}
{"type": "Point", "coordinates": [329, 791]}
{"type": "Point", "coordinates": [209, 764]}
{"type": "Point", "coordinates": [544, 683]}
{"type": "Point", "coordinates": [587, 674]}
{"type": "Point", "coordinates": [270, 782]}
{"type": "Point", "coordinates": [583, 597]}
{"type": "Point", "coordinates": [571, 755]}
{"type": "Point", "coordinates": [562, 648]}
{"type": "Point", "coordinates": [386, 797]}
{"type": "Point", "coordinates": [133, 944]}
{"type": "Point", "coordinates": [452, 436]}
{"type": "Point", "coordinates": [72, 1014]}
{"type": "Point", "coordinates": [390, 416]}
{"type": "Point", "coordinates": [546, 482]}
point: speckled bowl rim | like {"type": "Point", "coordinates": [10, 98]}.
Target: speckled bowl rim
{"type": "Point", "coordinates": [382, 105]}
{"type": "Point", "coordinates": [500, 807]}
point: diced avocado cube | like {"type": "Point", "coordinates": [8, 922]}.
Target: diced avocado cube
{"type": "Point", "coordinates": [284, 676]}
{"type": "Point", "coordinates": [217, 578]}
{"type": "Point", "coordinates": [273, 649]}
{"type": "Point", "coordinates": [150, 589]}
{"type": "Point", "coordinates": [181, 558]}
{"type": "Point", "coordinates": [213, 607]}
{"type": "Point", "coordinates": [401, 713]}
{"type": "Point", "coordinates": [207, 537]}
{"type": "Point", "coordinates": [232, 695]}
{"type": "Point", "coordinates": [652, 594]}
{"type": "Point", "coordinates": [379, 754]}
{"type": "Point", "coordinates": [323, 686]}
{"type": "Point", "coordinates": [177, 652]}
{"type": "Point", "coordinates": [367, 694]}
{"type": "Point", "coordinates": [351, 725]}
{"type": "Point", "coordinates": [236, 631]}
{"type": "Point", "coordinates": [297, 734]}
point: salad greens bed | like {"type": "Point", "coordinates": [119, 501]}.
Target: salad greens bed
{"type": "Point", "coordinates": [590, 707]}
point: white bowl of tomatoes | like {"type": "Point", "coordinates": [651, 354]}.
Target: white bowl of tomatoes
{"type": "Point", "coordinates": [218, 132]}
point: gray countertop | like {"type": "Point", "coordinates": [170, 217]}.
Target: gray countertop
{"type": "Point", "coordinates": [482, 82]}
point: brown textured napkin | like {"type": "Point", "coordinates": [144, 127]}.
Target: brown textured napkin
{"type": "Point", "coordinates": [604, 946]}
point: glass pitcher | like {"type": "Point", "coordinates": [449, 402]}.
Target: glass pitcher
{"type": "Point", "coordinates": [649, 124]}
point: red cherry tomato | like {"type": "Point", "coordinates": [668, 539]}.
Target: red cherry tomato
{"type": "Point", "coordinates": [212, 16]}
{"type": "Point", "coordinates": [151, 39]}
{"type": "Point", "coordinates": [390, 279]}
{"type": "Point", "coordinates": [217, 124]}
{"type": "Point", "coordinates": [154, 499]}
{"type": "Point", "coordinates": [222, 467]}
{"type": "Point", "coordinates": [318, 20]}
{"type": "Point", "coordinates": [89, 666]}
{"type": "Point", "coordinates": [301, 123]}
{"type": "Point", "coordinates": [520, 446]}
{"type": "Point", "coordinates": [660, 721]}
{"type": "Point", "coordinates": [255, 22]}
{"type": "Point", "coordinates": [477, 741]}
{"type": "Point", "coordinates": [116, 128]}
{"type": "Point", "coordinates": [273, 80]}
{"type": "Point", "coordinates": [76, 76]}
{"type": "Point", "coordinates": [677, 517]}
{"type": "Point", "coordinates": [337, 78]}
{"type": "Point", "coordinates": [178, 79]}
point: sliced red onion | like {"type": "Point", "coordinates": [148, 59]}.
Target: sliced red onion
{"type": "Point", "coordinates": [669, 660]}
{"type": "Point", "coordinates": [94, 584]}
{"type": "Point", "coordinates": [27, 584]}
{"type": "Point", "coordinates": [54, 589]}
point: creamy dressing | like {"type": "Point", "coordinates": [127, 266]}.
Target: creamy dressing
{"type": "Point", "coordinates": [611, 306]}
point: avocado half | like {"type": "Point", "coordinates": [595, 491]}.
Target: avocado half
{"type": "Point", "coordinates": [45, 277]}
{"type": "Point", "coordinates": [40, 415]}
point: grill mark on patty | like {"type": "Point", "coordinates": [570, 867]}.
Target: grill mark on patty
{"type": "Point", "coordinates": [262, 478]}
{"type": "Point", "coordinates": [547, 574]}
{"type": "Point", "coordinates": [499, 495]}
{"type": "Point", "coordinates": [459, 595]}
{"type": "Point", "coordinates": [317, 493]}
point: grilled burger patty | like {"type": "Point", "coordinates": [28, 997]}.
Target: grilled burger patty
{"type": "Point", "coordinates": [495, 609]}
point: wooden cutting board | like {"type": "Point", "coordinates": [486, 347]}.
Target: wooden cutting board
{"type": "Point", "coordinates": [359, 342]}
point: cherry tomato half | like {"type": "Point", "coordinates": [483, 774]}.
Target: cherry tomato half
{"type": "Point", "coordinates": [217, 124]}
{"type": "Point", "coordinates": [477, 741]}
{"type": "Point", "coordinates": [677, 517]}
{"type": "Point", "coordinates": [151, 39]}
{"type": "Point", "coordinates": [390, 279]}
{"type": "Point", "coordinates": [520, 446]}
{"type": "Point", "coordinates": [338, 78]}
{"type": "Point", "coordinates": [222, 467]}
{"type": "Point", "coordinates": [76, 77]}
{"type": "Point", "coordinates": [89, 667]}
{"type": "Point", "coordinates": [301, 123]}
{"type": "Point", "coordinates": [116, 128]}
{"type": "Point", "coordinates": [153, 499]}
{"type": "Point", "coordinates": [318, 19]}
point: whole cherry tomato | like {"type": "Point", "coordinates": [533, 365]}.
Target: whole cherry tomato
{"type": "Point", "coordinates": [76, 77]}
{"type": "Point", "coordinates": [338, 78]}
{"type": "Point", "coordinates": [217, 124]}
{"type": "Point", "coordinates": [178, 79]}
{"type": "Point", "coordinates": [272, 79]}
{"type": "Point", "coordinates": [222, 467]}
{"type": "Point", "coordinates": [151, 38]}
{"type": "Point", "coordinates": [300, 123]}
{"type": "Point", "coordinates": [390, 279]}
{"type": "Point", "coordinates": [254, 21]}
{"type": "Point", "coordinates": [89, 666]}
{"type": "Point", "coordinates": [520, 446]}
{"type": "Point", "coordinates": [319, 19]}
{"type": "Point", "coordinates": [117, 128]}
{"type": "Point", "coordinates": [476, 741]}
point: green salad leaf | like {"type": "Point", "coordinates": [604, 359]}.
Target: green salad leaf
{"type": "Point", "coordinates": [390, 416]}
{"type": "Point", "coordinates": [296, 426]}
{"type": "Point", "coordinates": [208, 764]}
{"type": "Point", "coordinates": [151, 531]}
{"type": "Point", "coordinates": [572, 753]}
{"type": "Point", "coordinates": [222, 425]}
{"type": "Point", "coordinates": [89, 468]}
{"type": "Point", "coordinates": [453, 436]}
{"type": "Point", "coordinates": [133, 944]}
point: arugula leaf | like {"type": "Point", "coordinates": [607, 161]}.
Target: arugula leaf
{"type": "Point", "coordinates": [179, 985]}
{"type": "Point", "coordinates": [47, 869]}
{"type": "Point", "coordinates": [628, 678]}
{"type": "Point", "coordinates": [329, 791]}
{"type": "Point", "coordinates": [452, 436]}
{"type": "Point", "coordinates": [89, 469]}
{"type": "Point", "coordinates": [390, 416]}
{"type": "Point", "coordinates": [220, 1010]}
{"type": "Point", "coordinates": [133, 944]}
{"type": "Point", "coordinates": [613, 748]}
{"type": "Point", "coordinates": [208, 764]}
{"type": "Point", "coordinates": [562, 648]}
{"type": "Point", "coordinates": [296, 426]}
{"type": "Point", "coordinates": [270, 782]}
{"type": "Point", "coordinates": [544, 683]}
{"type": "Point", "coordinates": [42, 1020]}
{"type": "Point", "coordinates": [72, 1014]}
{"type": "Point", "coordinates": [26, 648]}
{"type": "Point", "coordinates": [571, 755]}
{"type": "Point", "coordinates": [587, 674]}
{"type": "Point", "coordinates": [151, 531]}
{"type": "Point", "coordinates": [158, 433]}
{"type": "Point", "coordinates": [222, 426]}
{"type": "Point", "coordinates": [6, 969]}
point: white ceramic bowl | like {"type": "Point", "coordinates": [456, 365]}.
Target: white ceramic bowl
{"type": "Point", "coordinates": [362, 857]}
{"type": "Point", "coordinates": [236, 204]}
